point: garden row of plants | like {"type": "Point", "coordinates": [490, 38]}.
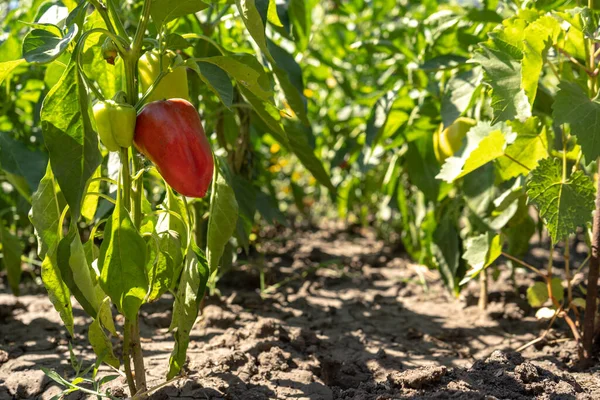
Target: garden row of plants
{"type": "Point", "coordinates": [443, 124]}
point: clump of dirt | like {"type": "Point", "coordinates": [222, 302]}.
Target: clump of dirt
{"type": "Point", "coordinates": [348, 318]}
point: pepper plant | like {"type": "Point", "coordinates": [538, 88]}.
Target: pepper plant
{"type": "Point", "coordinates": [490, 115]}
{"type": "Point", "coordinates": [138, 54]}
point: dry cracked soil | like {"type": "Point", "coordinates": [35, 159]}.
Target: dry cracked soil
{"type": "Point", "coordinates": [344, 316]}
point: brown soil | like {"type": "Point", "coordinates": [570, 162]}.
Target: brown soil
{"type": "Point", "coordinates": [363, 322]}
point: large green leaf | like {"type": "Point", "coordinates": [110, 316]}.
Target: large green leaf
{"type": "Point", "coordinates": [123, 263]}
{"type": "Point", "coordinates": [76, 272]}
{"type": "Point", "coordinates": [215, 78]}
{"type": "Point", "coordinates": [42, 46]}
{"type": "Point", "coordinates": [69, 137]}
{"type": "Point", "coordinates": [187, 301]}
{"type": "Point", "coordinates": [254, 14]}
{"type": "Point", "coordinates": [529, 147]}
{"type": "Point", "coordinates": [44, 215]}
{"type": "Point", "coordinates": [45, 212]}
{"type": "Point", "coordinates": [564, 204]}
{"type": "Point", "coordinates": [574, 107]}
{"type": "Point", "coordinates": [163, 11]}
{"type": "Point", "coordinates": [485, 143]}
{"type": "Point", "coordinates": [222, 219]}
{"type": "Point", "coordinates": [12, 248]}
{"type": "Point", "coordinates": [58, 292]}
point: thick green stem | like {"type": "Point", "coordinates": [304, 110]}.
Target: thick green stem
{"type": "Point", "coordinates": [131, 60]}
{"type": "Point", "coordinates": [127, 356]}
{"type": "Point", "coordinates": [138, 357]}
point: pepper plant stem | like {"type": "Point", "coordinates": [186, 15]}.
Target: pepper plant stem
{"type": "Point", "coordinates": [131, 61]}
{"type": "Point", "coordinates": [592, 289]}
{"type": "Point", "coordinates": [127, 356]}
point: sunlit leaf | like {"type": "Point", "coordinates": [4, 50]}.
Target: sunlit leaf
{"type": "Point", "coordinates": [222, 219]}
{"type": "Point", "coordinates": [563, 203]}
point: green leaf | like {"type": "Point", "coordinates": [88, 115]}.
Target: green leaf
{"type": "Point", "coordinates": [300, 16]}
{"type": "Point", "coordinates": [11, 257]}
{"type": "Point", "coordinates": [537, 294]}
{"type": "Point", "coordinates": [122, 263]}
{"type": "Point", "coordinates": [513, 59]}
{"type": "Point", "coordinates": [269, 114]}
{"type": "Point", "coordinates": [538, 37]}
{"type": "Point", "coordinates": [215, 78]}
{"type": "Point", "coordinates": [574, 107]}
{"type": "Point", "coordinates": [480, 252]}
{"type": "Point", "coordinates": [160, 266]}
{"type": "Point", "coordinates": [69, 137]}
{"type": "Point", "coordinates": [176, 220]}
{"type": "Point", "coordinates": [90, 202]}
{"type": "Point", "coordinates": [272, 15]}
{"type": "Point", "coordinates": [289, 75]}
{"type": "Point", "coordinates": [42, 46]}
{"type": "Point", "coordinates": [459, 94]}
{"type": "Point", "coordinates": [445, 249]}
{"type": "Point", "coordinates": [246, 70]}
{"type": "Point", "coordinates": [175, 41]}
{"type": "Point", "coordinates": [501, 62]}
{"type": "Point", "coordinates": [298, 144]}
{"type": "Point", "coordinates": [76, 272]}
{"type": "Point", "coordinates": [17, 159]}
{"type": "Point", "coordinates": [7, 67]}
{"type": "Point", "coordinates": [163, 11]}
{"type": "Point", "coordinates": [563, 204]}
{"type": "Point", "coordinates": [45, 213]}
{"type": "Point", "coordinates": [378, 118]}
{"type": "Point", "coordinates": [222, 219]}
{"type": "Point", "coordinates": [101, 345]}
{"type": "Point", "coordinates": [187, 301]}
{"type": "Point", "coordinates": [58, 292]}
{"type": "Point", "coordinates": [422, 166]}
{"type": "Point", "coordinates": [254, 14]}
{"type": "Point", "coordinates": [529, 147]}
{"type": "Point", "coordinates": [485, 143]}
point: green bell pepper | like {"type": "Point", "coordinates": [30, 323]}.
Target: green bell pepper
{"type": "Point", "coordinates": [116, 123]}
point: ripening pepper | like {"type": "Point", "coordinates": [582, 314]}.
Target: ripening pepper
{"type": "Point", "coordinates": [115, 123]}
{"type": "Point", "coordinates": [170, 134]}
{"type": "Point", "coordinates": [174, 85]}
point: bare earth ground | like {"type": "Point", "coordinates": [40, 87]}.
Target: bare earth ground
{"type": "Point", "coordinates": [359, 325]}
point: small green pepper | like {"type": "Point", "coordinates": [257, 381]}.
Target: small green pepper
{"type": "Point", "coordinates": [116, 123]}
